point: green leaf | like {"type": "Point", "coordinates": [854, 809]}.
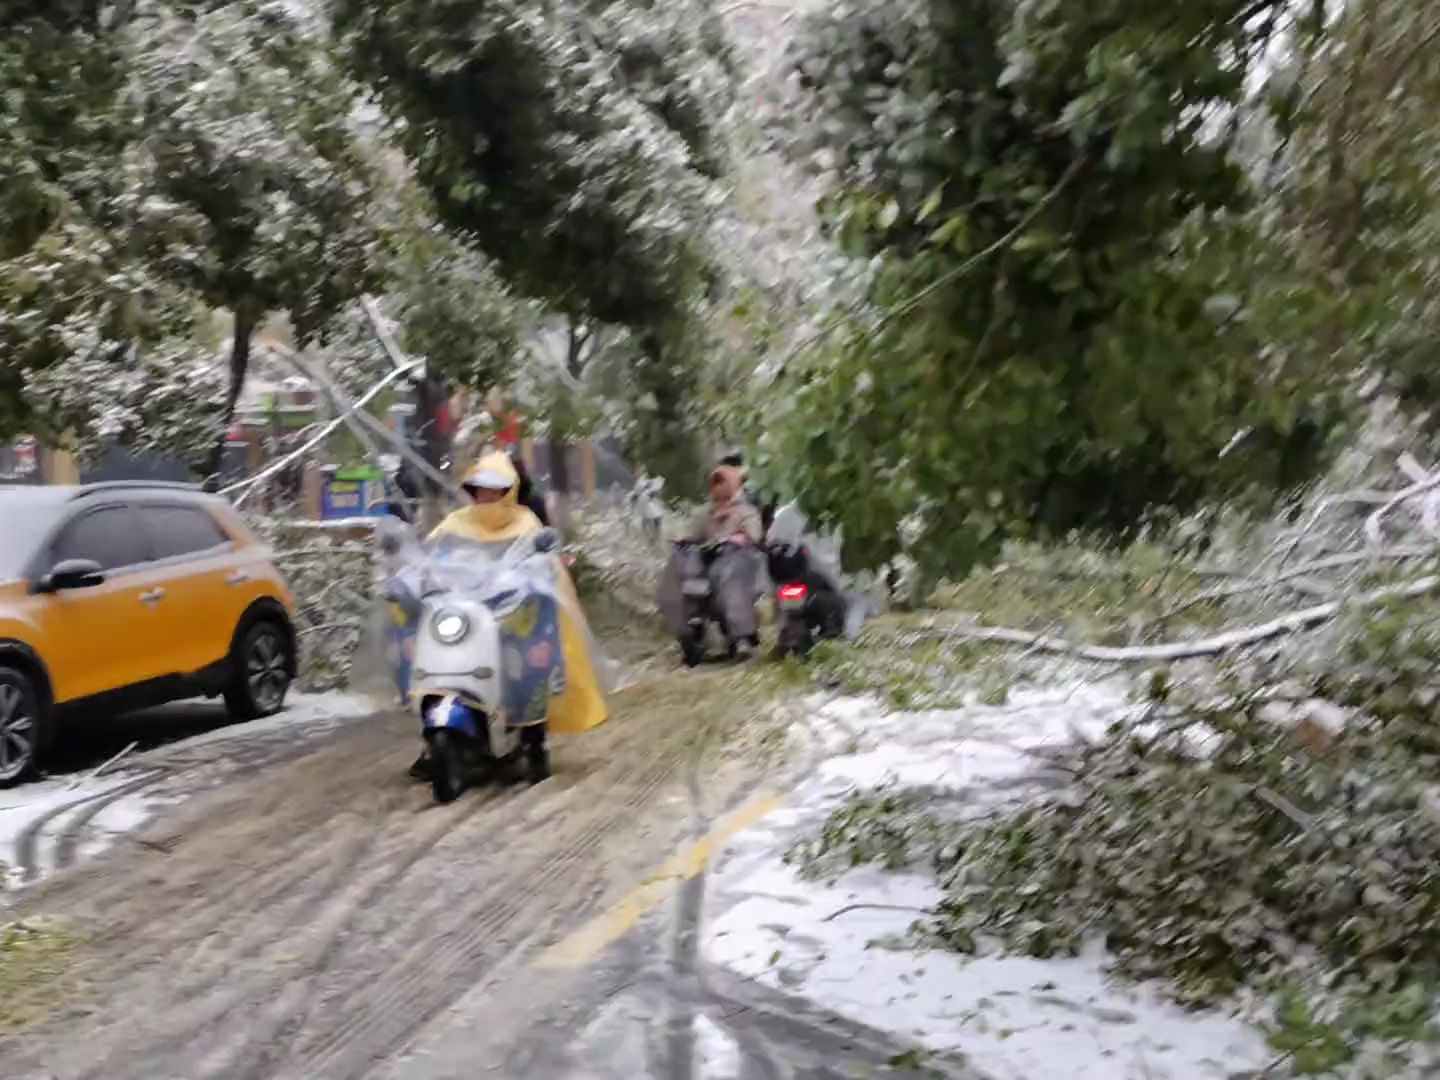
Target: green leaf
{"type": "Point", "coordinates": [950, 233]}
{"type": "Point", "coordinates": [931, 204]}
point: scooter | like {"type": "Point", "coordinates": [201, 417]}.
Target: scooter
{"type": "Point", "coordinates": [717, 584]}
{"type": "Point", "coordinates": [486, 659]}
{"type": "Point", "coordinates": [807, 605]}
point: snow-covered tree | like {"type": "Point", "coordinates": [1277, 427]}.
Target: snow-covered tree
{"type": "Point", "coordinates": [262, 194]}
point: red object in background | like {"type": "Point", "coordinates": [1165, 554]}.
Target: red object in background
{"type": "Point", "coordinates": [509, 433]}
{"type": "Point", "coordinates": [444, 419]}
{"type": "Point", "coordinates": [792, 592]}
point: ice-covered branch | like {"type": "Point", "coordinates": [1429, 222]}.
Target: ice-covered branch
{"type": "Point", "coordinates": [1242, 637]}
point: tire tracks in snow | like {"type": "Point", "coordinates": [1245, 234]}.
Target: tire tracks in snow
{"type": "Point", "coordinates": [430, 979]}
{"type": "Point", "coordinates": [309, 917]}
{"type": "Point", "coordinates": [35, 838]}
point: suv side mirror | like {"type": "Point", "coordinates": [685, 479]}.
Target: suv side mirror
{"type": "Point", "coordinates": [546, 541]}
{"type": "Point", "coordinates": [71, 574]}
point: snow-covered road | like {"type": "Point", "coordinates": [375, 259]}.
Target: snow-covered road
{"type": "Point", "coordinates": [88, 805]}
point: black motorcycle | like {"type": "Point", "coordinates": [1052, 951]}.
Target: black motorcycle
{"type": "Point", "coordinates": [714, 583]}
{"type": "Point", "coordinates": [806, 603]}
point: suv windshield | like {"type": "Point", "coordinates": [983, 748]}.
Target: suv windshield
{"type": "Point", "coordinates": [27, 523]}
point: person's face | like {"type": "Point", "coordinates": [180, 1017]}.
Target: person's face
{"type": "Point", "coordinates": [483, 495]}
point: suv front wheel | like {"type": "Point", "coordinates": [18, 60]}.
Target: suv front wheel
{"type": "Point", "coordinates": [261, 671]}
{"type": "Point", "coordinates": [20, 722]}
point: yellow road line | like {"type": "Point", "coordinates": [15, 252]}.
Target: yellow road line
{"type": "Point", "coordinates": [581, 947]}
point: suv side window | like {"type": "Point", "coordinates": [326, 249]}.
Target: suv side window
{"type": "Point", "coordinates": [110, 536]}
{"type": "Point", "coordinates": [181, 530]}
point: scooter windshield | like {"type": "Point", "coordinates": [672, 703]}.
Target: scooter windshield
{"type": "Point", "coordinates": [513, 578]}
{"type": "Point", "coordinates": [491, 571]}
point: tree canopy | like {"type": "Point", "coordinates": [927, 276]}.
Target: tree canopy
{"type": "Point", "coordinates": [1063, 330]}
{"type": "Point", "coordinates": [551, 151]}
{"type": "Point", "coordinates": [1075, 264]}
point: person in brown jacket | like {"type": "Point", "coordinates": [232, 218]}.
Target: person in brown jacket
{"type": "Point", "coordinates": [729, 516]}
{"type": "Point", "coordinates": [734, 574]}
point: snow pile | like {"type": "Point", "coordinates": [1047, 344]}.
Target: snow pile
{"type": "Point", "coordinates": [846, 945]}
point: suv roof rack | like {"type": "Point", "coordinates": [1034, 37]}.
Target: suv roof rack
{"type": "Point", "coordinates": [135, 485]}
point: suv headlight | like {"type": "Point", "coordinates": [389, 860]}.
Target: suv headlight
{"type": "Point", "coordinates": [451, 627]}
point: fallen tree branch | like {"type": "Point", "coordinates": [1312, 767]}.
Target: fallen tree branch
{"type": "Point", "coordinates": [247, 485]}
{"type": "Point", "coordinates": [440, 479]}
{"type": "Point", "coordinates": [1295, 621]}
{"type": "Point", "coordinates": [316, 372]}
{"type": "Point", "coordinates": [1408, 464]}
{"type": "Point", "coordinates": [315, 368]}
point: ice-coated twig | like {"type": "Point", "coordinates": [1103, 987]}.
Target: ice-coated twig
{"type": "Point", "coordinates": [876, 907]}
{"type": "Point", "coordinates": [1295, 577]}
{"type": "Point", "coordinates": [382, 334]}
{"type": "Point", "coordinates": [301, 554]}
{"type": "Point", "coordinates": [1374, 524]}
{"type": "Point", "coordinates": [1303, 821]}
{"type": "Point", "coordinates": [325, 628]}
{"type": "Point", "coordinates": [100, 769]}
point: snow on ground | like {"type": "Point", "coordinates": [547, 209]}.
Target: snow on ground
{"type": "Point", "coordinates": [70, 818]}
{"type": "Point", "coordinates": [844, 946]}
{"type": "Point", "coordinates": [717, 1054]}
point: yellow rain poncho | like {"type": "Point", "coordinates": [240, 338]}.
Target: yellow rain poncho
{"type": "Point", "coordinates": [581, 706]}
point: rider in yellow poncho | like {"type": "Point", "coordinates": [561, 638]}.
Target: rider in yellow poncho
{"type": "Point", "coordinates": [496, 515]}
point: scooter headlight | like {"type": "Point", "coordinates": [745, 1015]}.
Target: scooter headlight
{"type": "Point", "coordinates": [451, 627]}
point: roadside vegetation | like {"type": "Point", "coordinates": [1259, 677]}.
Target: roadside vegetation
{"type": "Point", "coordinates": [1263, 822]}
{"type": "Point", "coordinates": [35, 972]}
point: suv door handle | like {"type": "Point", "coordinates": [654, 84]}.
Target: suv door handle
{"type": "Point", "coordinates": [239, 577]}
{"type": "Point", "coordinates": [152, 596]}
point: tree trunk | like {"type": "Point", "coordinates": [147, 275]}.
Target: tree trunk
{"type": "Point", "coordinates": [436, 443]}
{"type": "Point", "coordinates": [577, 356]}
{"type": "Point", "coordinates": [560, 432]}
{"type": "Point", "coordinates": [560, 480]}
{"type": "Point", "coordinates": [245, 323]}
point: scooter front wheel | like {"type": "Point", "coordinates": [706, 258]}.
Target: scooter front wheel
{"type": "Point", "coordinates": [447, 767]}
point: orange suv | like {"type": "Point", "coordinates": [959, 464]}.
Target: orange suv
{"type": "Point", "coordinates": [122, 596]}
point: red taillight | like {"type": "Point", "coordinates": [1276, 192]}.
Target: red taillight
{"type": "Point", "coordinates": [792, 592]}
